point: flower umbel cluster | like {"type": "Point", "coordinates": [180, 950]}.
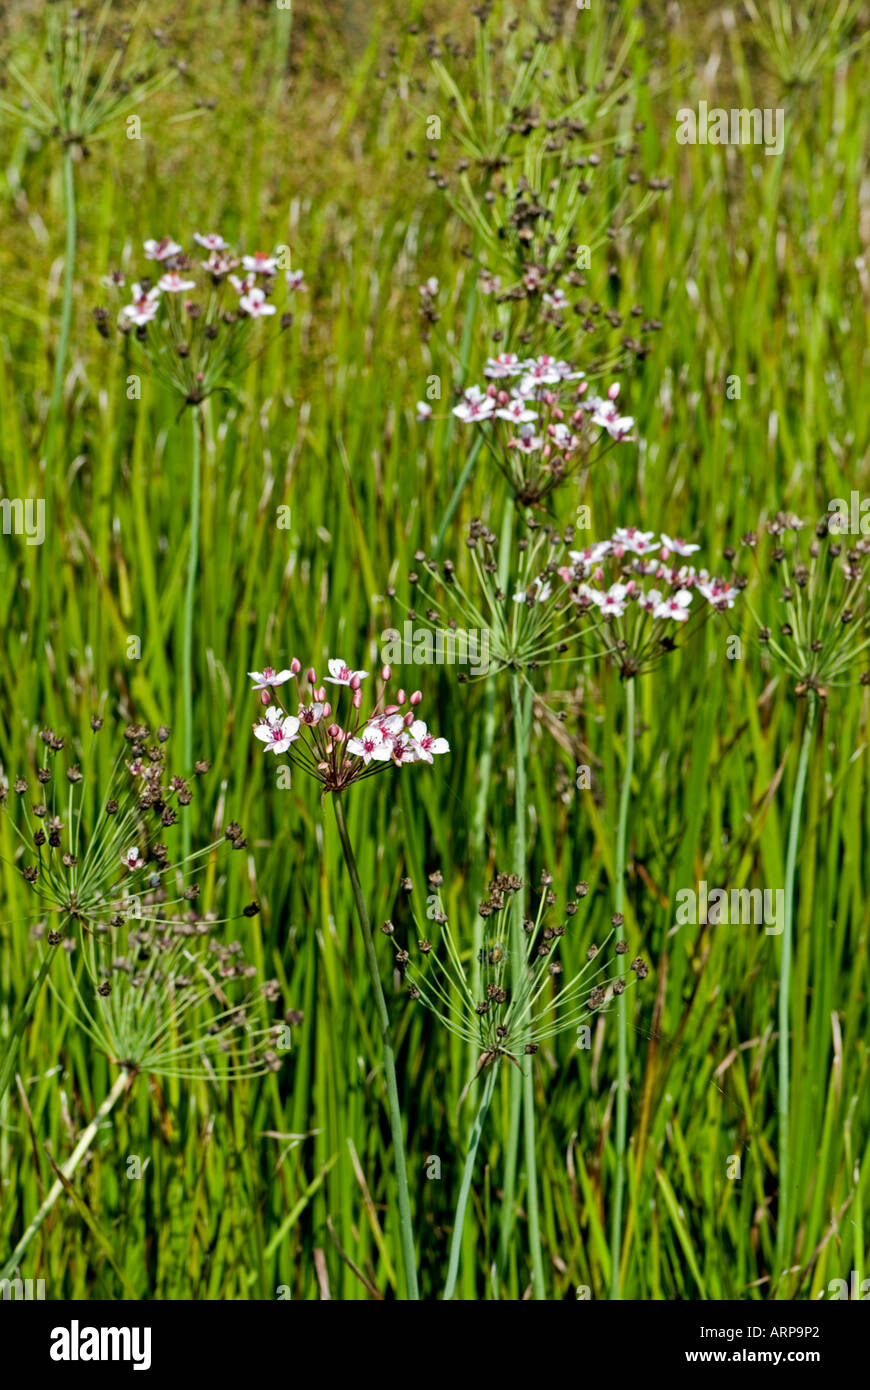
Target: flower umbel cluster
{"type": "Point", "coordinates": [92, 856]}
{"type": "Point", "coordinates": [642, 600]}
{"type": "Point", "coordinates": [539, 422]}
{"type": "Point", "coordinates": [479, 1002]}
{"type": "Point", "coordinates": [196, 314]}
{"type": "Point", "coordinates": [530, 621]}
{"type": "Point", "coordinates": [337, 753]}
{"type": "Point", "coordinates": [96, 67]}
{"type": "Point", "coordinates": [816, 613]}
{"type": "Point", "coordinates": [159, 993]}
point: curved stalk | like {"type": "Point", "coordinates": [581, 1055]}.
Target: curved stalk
{"type": "Point", "coordinates": [190, 591]}
{"type": "Point", "coordinates": [13, 1042]}
{"type": "Point", "coordinates": [465, 1188]}
{"type": "Point", "coordinates": [68, 1169]}
{"type": "Point", "coordinates": [784, 1022]}
{"type": "Point", "coordinates": [405, 1226]}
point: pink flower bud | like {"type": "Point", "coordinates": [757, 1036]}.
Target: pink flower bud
{"type": "Point", "coordinates": [391, 709]}
{"type": "Point", "coordinates": [416, 697]}
{"type": "Point", "coordinates": [502, 397]}
{"type": "Point", "coordinates": [327, 710]}
{"type": "Point", "coordinates": [311, 676]}
{"type": "Point", "coordinates": [295, 667]}
{"type": "Point", "coordinates": [320, 693]}
{"type": "Point", "coordinates": [355, 683]}
{"type": "Point", "coordinates": [333, 731]}
{"type": "Point", "coordinates": [385, 673]}
{"type": "Point", "coordinates": [400, 697]}
{"type": "Point", "coordinates": [265, 697]}
{"type": "Point", "coordinates": [613, 391]}
{"type": "Point", "coordinates": [357, 699]}
{"type": "Point", "coordinates": [408, 720]}
{"type": "Point", "coordinates": [558, 414]}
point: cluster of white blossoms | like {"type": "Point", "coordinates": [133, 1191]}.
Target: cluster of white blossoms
{"type": "Point", "coordinates": [543, 419]}
{"type": "Point", "coordinates": [338, 754]}
{"type": "Point", "coordinates": [638, 556]}
{"type": "Point", "coordinates": [195, 313]}
{"type": "Point", "coordinates": [636, 589]}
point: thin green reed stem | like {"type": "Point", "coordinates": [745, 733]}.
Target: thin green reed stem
{"type": "Point", "coordinates": [192, 566]}
{"type": "Point", "coordinates": [19, 1023]}
{"type": "Point", "coordinates": [68, 1169]}
{"type": "Point", "coordinates": [621, 1004]}
{"type": "Point", "coordinates": [521, 1085]}
{"type": "Point", "coordinates": [465, 1188]}
{"type": "Point", "coordinates": [405, 1227]}
{"type": "Point", "coordinates": [784, 1098]}
{"type": "Point", "coordinates": [60, 360]}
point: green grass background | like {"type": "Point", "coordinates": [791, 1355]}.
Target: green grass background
{"type": "Point", "coordinates": [757, 267]}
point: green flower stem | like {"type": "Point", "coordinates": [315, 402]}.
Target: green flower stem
{"type": "Point", "coordinates": [60, 361]}
{"type": "Point", "coordinates": [192, 566]}
{"type": "Point", "coordinates": [465, 1189]}
{"type": "Point", "coordinates": [783, 1102]}
{"type": "Point", "coordinates": [621, 1005]}
{"type": "Point", "coordinates": [522, 1090]}
{"type": "Point", "coordinates": [68, 1169]}
{"type": "Point", "coordinates": [20, 1021]}
{"type": "Point", "coordinates": [405, 1226]}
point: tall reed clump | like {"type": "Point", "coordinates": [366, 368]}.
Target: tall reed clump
{"type": "Point", "coordinates": [197, 324]}
{"type": "Point", "coordinates": [813, 623]}
{"type": "Point", "coordinates": [336, 754]}
{"type": "Point", "coordinates": [73, 80]}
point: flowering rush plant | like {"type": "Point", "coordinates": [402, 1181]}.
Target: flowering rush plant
{"type": "Point", "coordinates": [196, 314]}
{"type": "Point", "coordinates": [647, 599]}
{"type": "Point", "coordinates": [335, 742]}
{"type": "Point", "coordinates": [540, 422]}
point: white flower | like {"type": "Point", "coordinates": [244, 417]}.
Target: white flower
{"type": "Point", "coordinates": [211, 241]}
{"type": "Point", "coordinates": [678, 546]}
{"type": "Point", "coordinates": [429, 287]}
{"type": "Point", "coordinates": [255, 304]}
{"type": "Point", "coordinates": [426, 745]}
{"type": "Point", "coordinates": [144, 305]}
{"type": "Point", "coordinates": [676, 606]}
{"type": "Point", "coordinates": [268, 677]}
{"type": "Point", "coordinates": [161, 250]}
{"type": "Point", "coordinates": [278, 730]}
{"type": "Point", "coordinates": [371, 744]}
{"type": "Point", "coordinates": [612, 604]}
{"type": "Point", "coordinates": [424, 411]}
{"type": "Point", "coordinates": [341, 674]}
{"type": "Point", "coordinates": [517, 411]}
{"type": "Point", "coordinates": [719, 593]}
{"type": "Point", "coordinates": [557, 300]}
{"type": "Point", "coordinates": [475, 405]}
{"type": "Point", "coordinates": [260, 263]}
{"type": "Point", "coordinates": [506, 364]}
{"type": "Point", "coordinates": [630, 538]}
{"type": "Point", "coordinates": [295, 281]}
{"type": "Point", "coordinates": [172, 283]}
{"type": "Point", "coordinates": [131, 858]}
{"type": "Point", "coordinates": [311, 714]}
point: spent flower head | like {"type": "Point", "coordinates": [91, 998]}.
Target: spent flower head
{"type": "Point", "coordinates": [814, 617]}
{"type": "Point", "coordinates": [93, 851]}
{"type": "Point", "coordinates": [158, 992]}
{"type": "Point", "coordinates": [480, 1000]}
{"type": "Point", "coordinates": [94, 66]}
